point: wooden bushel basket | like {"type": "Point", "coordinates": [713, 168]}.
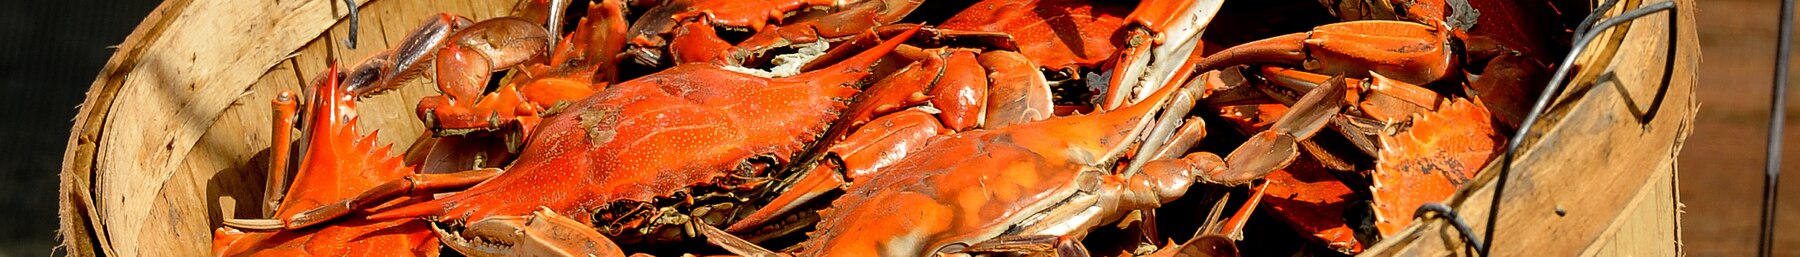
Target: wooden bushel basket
{"type": "Point", "coordinates": [173, 134]}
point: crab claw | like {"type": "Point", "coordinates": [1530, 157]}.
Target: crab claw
{"type": "Point", "coordinates": [386, 70]}
{"type": "Point", "coordinates": [1277, 147]}
{"type": "Point", "coordinates": [543, 233]}
{"type": "Point", "coordinates": [1409, 52]}
{"type": "Point", "coordinates": [1017, 93]}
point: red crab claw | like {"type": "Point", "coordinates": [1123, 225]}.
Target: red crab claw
{"type": "Point", "coordinates": [387, 69]}
{"type": "Point", "coordinates": [590, 53]}
{"type": "Point", "coordinates": [953, 81]}
{"type": "Point", "coordinates": [335, 164]}
{"type": "Point", "coordinates": [1055, 34]}
{"type": "Point", "coordinates": [1409, 52]}
{"type": "Point", "coordinates": [464, 66]}
{"type": "Point", "coordinates": [697, 42]}
{"type": "Point", "coordinates": [961, 92]}
{"type": "Point", "coordinates": [647, 37]}
{"type": "Point", "coordinates": [456, 153]}
{"type": "Point", "coordinates": [1304, 195]}
{"type": "Point", "coordinates": [542, 233]}
{"type": "Point", "coordinates": [1277, 147]}
{"type": "Point", "coordinates": [1159, 50]}
{"type": "Point", "coordinates": [1527, 26]}
{"type": "Point", "coordinates": [1017, 91]}
{"type": "Point", "coordinates": [846, 21]}
{"type": "Point", "coordinates": [548, 11]}
{"type": "Point", "coordinates": [581, 64]}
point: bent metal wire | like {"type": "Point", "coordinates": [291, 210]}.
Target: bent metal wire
{"type": "Point", "coordinates": [1556, 85]}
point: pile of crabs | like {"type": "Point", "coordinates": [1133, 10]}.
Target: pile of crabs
{"type": "Point", "coordinates": [906, 128]}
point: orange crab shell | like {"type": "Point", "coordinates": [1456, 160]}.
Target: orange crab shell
{"type": "Point", "coordinates": [1052, 33]}
{"type": "Point", "coordinates": [1427, 161]}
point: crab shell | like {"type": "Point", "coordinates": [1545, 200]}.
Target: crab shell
{"type": "Point", "coordinates": [1055, 33]}
{"type": "Point", "coordinates": [661, 150]}
{"type": "Point", "coordinates": [1428, 157]}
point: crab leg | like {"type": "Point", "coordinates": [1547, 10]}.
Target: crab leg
{"type": "Point", "coordinates": [1377, 96]}
{"type": "Point", "coordinates": [1185, 138]}
{"type": "Point", "coordinates": [1410, 52]}
{"type": "Point", "coordinates": [411, 184]}
{"type": "Point", "coordinates": [1164, 129]}
{"type": "Point", "coordinates": [386, 70]}
{"type": "Point", "coordinates": [1167, 35]}
{"type": "Point", "coordinates": [280, 144]}
{"type": "Point", "coordinates": [1277, 147]}
{"type": "Point", "coordinates": [1234, 226]}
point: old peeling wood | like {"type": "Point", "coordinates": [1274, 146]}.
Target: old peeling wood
{"type": "Point", "coordinates": [1603, 158]}
{"type": "Point", "coordinates": [172, 132]}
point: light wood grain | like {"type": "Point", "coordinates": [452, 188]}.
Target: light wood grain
{"type": "Point", "coordinates": [169, 137]}
{"type": "Point", "coordinates": [1645, 228]}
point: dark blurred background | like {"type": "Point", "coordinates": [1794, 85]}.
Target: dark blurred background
{"type": "Point", "coordinates": [49, 53]}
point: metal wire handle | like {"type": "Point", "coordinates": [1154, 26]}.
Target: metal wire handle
{"type": "Point", "coordinates": [1555, 88]}
{"type": "Point", "coordinates": [1777, 117]}
{"type": "Point", "coordinates": [1449, 214]}
{"type": "Point", "coordinates": [351, 41]}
